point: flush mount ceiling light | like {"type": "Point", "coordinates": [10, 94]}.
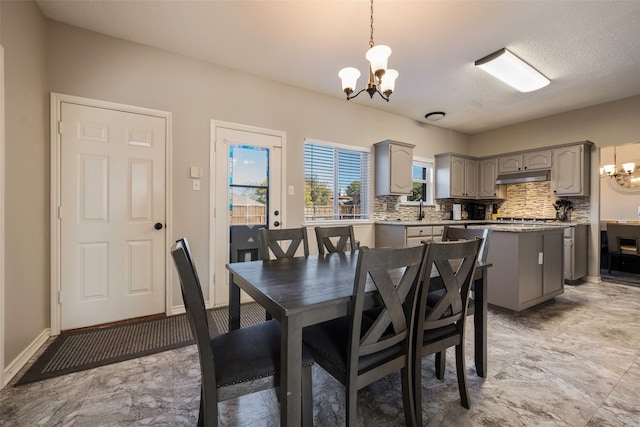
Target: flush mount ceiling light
{"type": "Point", "coordinates": [377, 57]}
{"type": "Point", "coordinates": [512, 70]}
{"type": "Point", "coordinates": [435, 116]}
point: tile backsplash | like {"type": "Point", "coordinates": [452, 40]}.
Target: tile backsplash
{"type": "Point", "coordinates": [528, 200]}
{"type": "Point", "coordinates": [534, 199]}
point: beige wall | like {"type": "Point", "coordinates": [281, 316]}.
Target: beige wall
{"type": "Point", "coordinates": [613, 123]}
{"type": "Point", "coordinates": [26, 308]}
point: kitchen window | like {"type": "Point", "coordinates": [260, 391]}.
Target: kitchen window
{"type": "Point", "coordinates": [336, 182]}
{"type": "Point", "coordinates": [423, 186]}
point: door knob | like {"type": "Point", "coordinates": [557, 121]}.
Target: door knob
{"type": "Point", "coordinates": [158, 226]}
{"type": "Point", "coordinates": [276, 224]}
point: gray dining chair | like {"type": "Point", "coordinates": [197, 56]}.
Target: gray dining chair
{"type": "Point", "coordinates": [335, 239]}
{"type": "Point", "coordinates": [236, 363]}
{"type": "Point", "coordinates": [450, 233]}
{"type": "Point", "coordinates": [442, 325]}
{"type": "Point", "coordinates": [358, 350]}
{"type": "Point", "coordinates": [283, 242]}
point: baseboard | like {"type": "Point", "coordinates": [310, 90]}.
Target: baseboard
{"type": "Point", "coordinates": [23, 358]}
{"type": "Point", "coordinates": [592, 279]}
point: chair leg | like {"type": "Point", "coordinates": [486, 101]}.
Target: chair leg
{"type": "Point", "coordinates": [201, 413]}
{"type": "Point", "coordinates": [417, 386]}
{"type": "Point", "coordinates": [407, 396]}
{"type": "Point", "coordinates": [352, 405]}
{"type": "Point", "coordinates": [462, 376]}
{"type": "Point", "coordinates": [441, 362]}
{"type": "Point", "coordinates": [307, 397]}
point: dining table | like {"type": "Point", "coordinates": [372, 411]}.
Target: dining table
{"type": "Point", "coordinates": [303, 291]}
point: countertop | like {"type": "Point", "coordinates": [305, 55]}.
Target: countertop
{"type": "Point", "coordinates": [507, 226]}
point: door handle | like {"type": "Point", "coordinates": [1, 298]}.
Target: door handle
{"type": "Point", "coordinates": [158, 226]}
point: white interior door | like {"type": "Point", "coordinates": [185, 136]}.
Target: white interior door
{"type": "Point", "coordinates": [247, 195]}
{"type": "Point", "coordinates": [112, 215]}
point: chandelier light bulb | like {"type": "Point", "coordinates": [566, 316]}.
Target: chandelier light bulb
{"type": "Point", "coordinates": [349, 76]}
{"type": "Point", "coordinates": [378, 56]}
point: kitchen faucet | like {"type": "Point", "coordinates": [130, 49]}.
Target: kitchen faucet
{"type": "Point", "coordinates": [420, 212]}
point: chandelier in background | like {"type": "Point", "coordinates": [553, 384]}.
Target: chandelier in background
{"type": "Point", "coordinates": [381, 79]}
{"type": "Point", "coordinates": [613, 170]}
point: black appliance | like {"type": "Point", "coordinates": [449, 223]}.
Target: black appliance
{"type": "Point", "coordinates": [476, 211]}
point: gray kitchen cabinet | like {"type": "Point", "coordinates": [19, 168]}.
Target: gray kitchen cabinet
{"type": "Point", "coordinates": [570, 171]}
{"type": "Point", "coordinates": [487, 174]}
{"type": "Point", "coordinates": [530, 160]}
{"type": "Point", "coordinates": [456, 176]}
{"type": "Point", "coordinates": [400, 235]}
{"type": "Point", "coordinates": [575, 252]}
{"type": "Point", "coordinates": [393, 162]}
{"type": "Point", "coordinates": [527, 267]}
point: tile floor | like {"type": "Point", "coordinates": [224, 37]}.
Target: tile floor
{"type": "Point", "coordinates": [573, 362]}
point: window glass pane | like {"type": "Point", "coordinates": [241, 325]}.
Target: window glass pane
{"type": "Point", "coordinates": [248, 165]}
{"type": "Point", "coordinates": [336, 183]}
{"type": "Point", "coordinates": [422, 175]}
{"type": "Point", "coordinates": [248, 206]}
{"type": "Point", "coordinates": [248, 185]}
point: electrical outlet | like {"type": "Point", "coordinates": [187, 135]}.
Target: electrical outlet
{"type": "Point", "coordinates": [196, 185]}
{"type": "Point", "coordinates": [291, 190]}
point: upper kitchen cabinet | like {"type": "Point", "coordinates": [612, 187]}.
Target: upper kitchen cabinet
{"type": "Point", "coordinates": [488, 173]}
{"type": "Point", "coordinates": [394, 161]}
{"type": "Point", "coordinates": [456, 176]}
{"type": "Point", "coordinates": [570, 170]}
{"type": "Point", "coordinates": [531, 160]}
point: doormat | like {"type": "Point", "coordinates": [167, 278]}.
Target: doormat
{"type": "Point", "coordinates": [81, 350]}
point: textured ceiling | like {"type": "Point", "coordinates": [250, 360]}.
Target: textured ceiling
{"type": "Point", "coordinates": [590, 50]}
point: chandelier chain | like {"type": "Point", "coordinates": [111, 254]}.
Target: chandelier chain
{"type": "Point", "coordinates": [371, 39]}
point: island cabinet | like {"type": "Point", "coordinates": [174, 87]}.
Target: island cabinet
{"type": "Point", "coordinates": [456, 176]}
{"type": "Point", "coordinates": [527, 267]}
{"type": "Point", "coordinates": [401, 235]}
{"type": "Point", "coordinates": [570, 170]}
{"type": "Point", "coordinates": [487, 175]}
{"type": "Point", "coordinates": [530, 160]}
{"type": "Point", "coordinates": [394, 161]}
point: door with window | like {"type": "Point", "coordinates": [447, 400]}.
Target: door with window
{"type": "Point", "coordinates": [247, 196]}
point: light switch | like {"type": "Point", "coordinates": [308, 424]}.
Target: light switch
{"type": "Point", "coordinates": [195, 172]}
{"type": "Point", "coordinates": [291, 190]}
{"type": "Point", "coordinates": [196, 185]}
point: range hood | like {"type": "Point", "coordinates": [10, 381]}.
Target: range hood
{"type": "Point", "coordinates": [527, 176]}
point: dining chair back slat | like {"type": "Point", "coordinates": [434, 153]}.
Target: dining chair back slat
{"type": "Point", "coordinates": [272, 241]}
{"type": "Point", "coordinates": [335, 239]}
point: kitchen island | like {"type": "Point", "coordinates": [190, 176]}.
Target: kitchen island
{"type": "Point", "coordinates": [527, 256]}
{"type": "Point", "coordinates": [528, 263]}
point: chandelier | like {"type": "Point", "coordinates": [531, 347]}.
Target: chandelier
{"type": "Point", "coordinates": [377, 57]}
{"type": "Point", "coordinates": [614, 171]}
